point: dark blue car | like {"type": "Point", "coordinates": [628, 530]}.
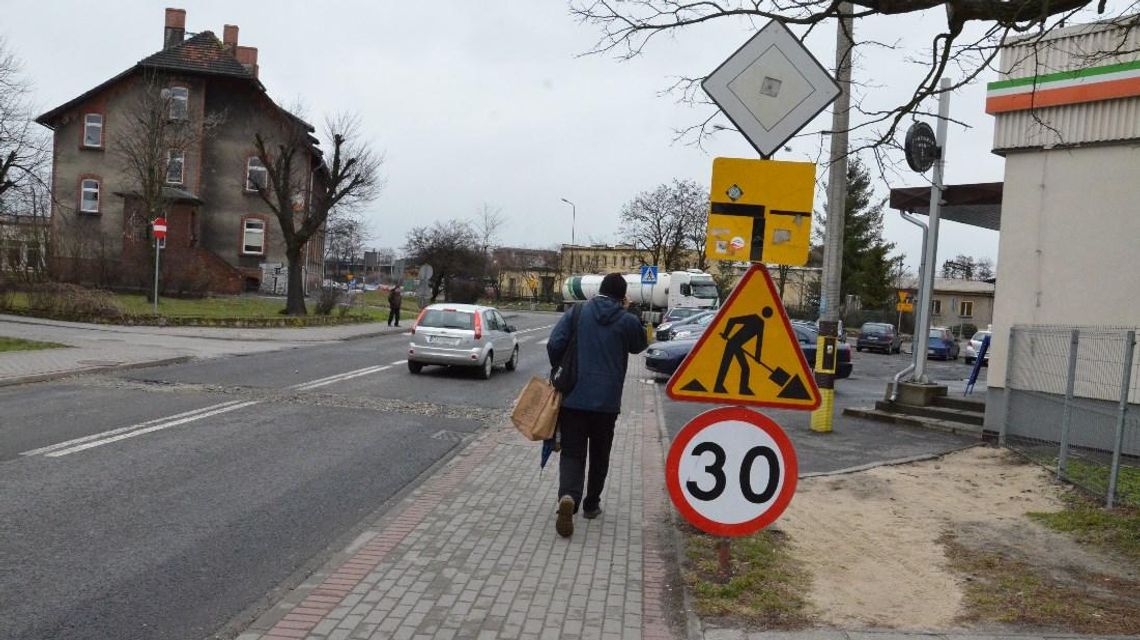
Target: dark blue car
{"type": "Point", "coordinates": [665, 357]}
{"type": "Point", "coordinates": [941, 344]}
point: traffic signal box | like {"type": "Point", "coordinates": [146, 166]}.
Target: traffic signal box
{"type": "Point", "coordinates": [760, 211]}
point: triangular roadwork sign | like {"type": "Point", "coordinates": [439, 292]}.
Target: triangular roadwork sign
{"type": "Point", "coordinates": [749, 354]}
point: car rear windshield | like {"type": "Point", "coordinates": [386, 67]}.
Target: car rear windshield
{"type": "Point", "coordinates": [935, 334]}
{"type": "Point", "coordinates": [876, 329]}
{"type": "Point", "coordinates": [448, 319]}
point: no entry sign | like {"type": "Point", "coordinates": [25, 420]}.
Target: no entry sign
{"type": "Point", "coordinates": [159, 228]}
{"type": "Point", "coordinates": [731, 471]}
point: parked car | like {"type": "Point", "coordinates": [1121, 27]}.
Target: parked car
{"type": "Point", "coordinates": [941, 344]}
{"type": "Point", "coordinates": [666, 330]}
{"type": "Point", "coordinates": [462, 335]}
{"type": "Point", "coordinates": [665, 357]}
{"type": "Point", "coordinates": [974, 346]}
{"type": "Point", "coordinates": [693, 330]}
{"type": "Point", "coordinates": [878, 336]}
{"type": "Point", "coordinates": [681, 313]}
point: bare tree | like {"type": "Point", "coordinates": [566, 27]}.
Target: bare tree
{"type": "Point", "coordinates": [23, 149]}
{"type": "Point", "coordinates": [488, 220]}
{"type": "Point", "coordinates": [666, 222]}
{"type": "Point", "coordinates": [345, 236]}
{"type": "Point", "coordinates": [346, 180]}
{"type": "Point", "coordinates": [452, 250]}
{"type": "Point", "coordinates": [627, 26]}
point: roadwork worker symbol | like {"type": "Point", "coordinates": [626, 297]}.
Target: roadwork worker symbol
{"type": "Point", "coordinates": [749, 354]}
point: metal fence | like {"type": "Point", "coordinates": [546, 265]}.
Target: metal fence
{"type": "Point", "coordinates": [1072, 405]}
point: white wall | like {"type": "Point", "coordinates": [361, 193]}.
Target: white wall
{"type": "Point", "coordinates": [1069, 252]}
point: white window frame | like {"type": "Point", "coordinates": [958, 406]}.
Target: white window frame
{"type": "Point", "coordinates": [170, 158]}
{"type": "Point", "coordinates": [936, 307]}
{"type": "Point", "coordinates": [88, 124]}
{"type": "Point", "coordinates": [250, 168]}
{"type": "Point", "coordinates": [179, 108]}
{"type": "Point", "coordinates": [962, 312]}
{"type": "Point", "coordinates": [84, 189]}
{"type": "Point", "coordinates": [245, 231]}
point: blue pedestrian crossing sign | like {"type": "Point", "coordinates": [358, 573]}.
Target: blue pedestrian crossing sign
{"type": "Point", "coordinates": [648, 274]}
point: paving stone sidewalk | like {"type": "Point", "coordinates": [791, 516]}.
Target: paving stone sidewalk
{"type": "Point", "coordinates": [472, 553]}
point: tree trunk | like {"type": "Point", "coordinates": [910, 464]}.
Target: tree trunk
{"type": "Point", "coordinates": [295, 295]}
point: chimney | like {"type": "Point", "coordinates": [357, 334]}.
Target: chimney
{"type": "Point", "coordinates": [230, 36]}
{"type": "Point", "coordinates": [247, 56]}
{"type": "Point", "coordinates": [175, 28]}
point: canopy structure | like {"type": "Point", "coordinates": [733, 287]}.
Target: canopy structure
{"type": "Point", "coordinates": [974, 204]}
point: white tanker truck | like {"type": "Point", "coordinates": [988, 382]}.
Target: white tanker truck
{"type": "Point", "coordinates": [692, 288]}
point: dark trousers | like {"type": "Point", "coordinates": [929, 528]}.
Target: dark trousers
{"type": "Point", "coordinates": [584, 432]}
{"type": "Point", "coordinates": [394, 313]}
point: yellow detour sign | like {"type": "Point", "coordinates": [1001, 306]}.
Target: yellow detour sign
{"type": "Point", "coordinates": [749, 354]}
{"type": "Point", "coordinates": [760, 210]}
{"type": "Point", "coordinates": [905, 303]}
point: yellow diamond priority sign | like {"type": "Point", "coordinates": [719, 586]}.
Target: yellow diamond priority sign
{"type": "Point", "coordinates": [749, 354]}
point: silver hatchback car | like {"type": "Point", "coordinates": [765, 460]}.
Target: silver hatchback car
{"type": "Point", "coordinates": [462, 335]}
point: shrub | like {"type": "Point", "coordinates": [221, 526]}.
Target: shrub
{"type": "Point", "coordinates": [327, 300]}
{"type": "Point", "coordinates": [463, 291]}
{"type": "Point", "coordinates": [71, 302]}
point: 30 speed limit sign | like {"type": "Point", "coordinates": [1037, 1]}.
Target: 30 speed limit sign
{"type": "Point", "coordinates": [731, 471]}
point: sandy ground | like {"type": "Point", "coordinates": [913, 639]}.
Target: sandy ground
{"type": "Point", "coordinates": [871, 539]}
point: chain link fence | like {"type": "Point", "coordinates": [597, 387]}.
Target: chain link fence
{"type": "Point", "coordinates": [1072, 405]}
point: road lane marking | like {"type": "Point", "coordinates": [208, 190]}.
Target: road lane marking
{"type": "Point", "coordinates": [341, 378]}
{"type": "Point", "coordinates": [151, 429]}
{"type": "Point", "coordinates": [399, 362]}
{"type": "Point", "coordinates": [543, 341]}
{"type": "Point", "coordinates": [333, 378]}
{"type": "Point", "coordinates": [114, 432]}
{"type": "Point", "coordinates": [535, 329]}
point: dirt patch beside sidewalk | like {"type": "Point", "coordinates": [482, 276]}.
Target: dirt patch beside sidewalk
{"type": "Point", "coordinates": [912, 547]}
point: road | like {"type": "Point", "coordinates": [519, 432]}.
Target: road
{"type": "Point", "coordinates": [171, 502]}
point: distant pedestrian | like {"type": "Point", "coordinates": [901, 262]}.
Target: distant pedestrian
{"type": "Point", "coordinates": [607, 335]}
{"type": "Point", "coordinates": [395, 298]}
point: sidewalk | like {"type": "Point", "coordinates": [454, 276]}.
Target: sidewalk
{"type": "Point", "coordinates": [472, 553]}
{"type": "Point", "coordinates": [96, 347]}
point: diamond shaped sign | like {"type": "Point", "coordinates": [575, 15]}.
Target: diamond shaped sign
{"type": "Point", "coordinates": [771, 88]}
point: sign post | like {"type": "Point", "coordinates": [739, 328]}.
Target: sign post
{"type": "Point", "coordinates": [159, 227]}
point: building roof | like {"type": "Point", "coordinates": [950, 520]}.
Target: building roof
{"type": "Point", "coordinates": [974, 204]}
{"type": "Point", "coordinates": [954, 285]}
{"type": "Point", "coordinates": [203, 53]}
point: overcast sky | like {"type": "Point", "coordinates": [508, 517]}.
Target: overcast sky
{"type": "Point", "coordinates": [488, 102]}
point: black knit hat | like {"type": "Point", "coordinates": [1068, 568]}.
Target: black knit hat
{"type": "Point", "coordinates": [613, 286]}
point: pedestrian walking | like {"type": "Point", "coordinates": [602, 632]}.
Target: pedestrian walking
{"type": "Point", "coordinates": [606, 336]}
{"type": "Point", "coordinates": [395, 297]}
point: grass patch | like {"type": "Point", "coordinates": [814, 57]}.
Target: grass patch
{"type": "Point", "coordinates": [764, 589]}
{"type": "Point", "coordinates": [1004, 590]}
{"type": "Point", "coordinates": [17, 344]}
{"type": "Point", "coordinates": [1117, 530]}
{"type": "Point", "coordinates": [1094, 477]}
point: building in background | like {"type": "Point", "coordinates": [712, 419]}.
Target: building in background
{"type": "Point", "coordinates": [958, 303]}
{"type": "Point", "coordinates": [221, 236]}
{"type": "Point", "coordinates": [530, 274]}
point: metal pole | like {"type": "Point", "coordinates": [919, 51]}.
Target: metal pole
{"type": "Point", "coordinates": [823, 417]}
{"type": "Point", "coordinates": [914, 354]}
{"type": "Point", "coordinates": [922, 324]}
{"type": "Point", "coordinates": [157, 250]}
{"type": "Point", "coordinates": [1004, 429]}
{"type": "Point", "coordinates": [1125, 382]}
{"type": "Point", "coordinates": [1067, 417]}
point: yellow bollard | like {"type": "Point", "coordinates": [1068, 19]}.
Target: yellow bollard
{"type": "Point", "coordinates": [826, 362]}
{"type": "Point", "coordinates": [649, 332]}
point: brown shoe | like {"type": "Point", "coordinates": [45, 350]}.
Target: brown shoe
{"type": "Point", "coordinates": [564, 525]}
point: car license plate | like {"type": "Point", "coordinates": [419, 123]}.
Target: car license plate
{"type": "Point", "coordinates": [930, 352]}
{"type": "Point", "coordinates": [443, 340]}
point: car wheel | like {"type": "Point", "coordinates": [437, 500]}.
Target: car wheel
{"type": "Point", "coordinates": [513, 363]}
{"type": "Point", "coordinates": [488, 365]}
{"type": "Point", "coordinates": [415, 367]}
{"type": "Point", "coordinates": [969, 360]}
{"type": "Point", "coordinates": [859, 349]}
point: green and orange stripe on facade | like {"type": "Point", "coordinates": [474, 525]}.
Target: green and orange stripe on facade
{"type": "Point", "coordinates": [1066, 87]}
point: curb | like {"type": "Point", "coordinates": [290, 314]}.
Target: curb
{"type": "Point", "coordinates": [55, 375]}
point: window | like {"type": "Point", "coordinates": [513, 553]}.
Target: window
{"type": "Point", "coordinates": [175, 163]}
{"type": "Point", "coordinates": [253, 236]}
{"type": "Point", "coordinates": [966, 308]}
{"type": "Point", "coordinates": [179, 103]}
{"type": "Point", "coordinates": [936, 307]}
{"type": "Point", "coordinates": [93, 130]}
{"type": "Point", "coordinates": [89, 196]}
{"type": "Point", "coordinates": [256, 175]}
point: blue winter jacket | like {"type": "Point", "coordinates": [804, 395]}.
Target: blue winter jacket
{"type": "Point", "coordinates": [607, 334]}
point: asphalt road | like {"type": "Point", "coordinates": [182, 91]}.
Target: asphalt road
{"type": "Point", "coordinates": [168, 502]}
{"type": "Point", "coordinates": [853, 442]}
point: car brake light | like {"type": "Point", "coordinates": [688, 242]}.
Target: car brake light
{"type": "Point", "coordinates": [478, 326]}
{"type": "Point", "coordinates": [418, 318]}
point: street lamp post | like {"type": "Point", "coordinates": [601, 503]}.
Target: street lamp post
{"type": "Point", "coordinates": [573, 224]}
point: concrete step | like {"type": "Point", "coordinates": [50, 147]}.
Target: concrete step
{"type": "Point", "coordinates": [958, 402]}
{"type": "Point", "coordinates": [931, 411]}
{"type": "Point", "coordinates": [922, 422]}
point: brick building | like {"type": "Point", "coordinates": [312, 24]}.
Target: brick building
{"type": "Point", "coordinates": [222, 237]}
